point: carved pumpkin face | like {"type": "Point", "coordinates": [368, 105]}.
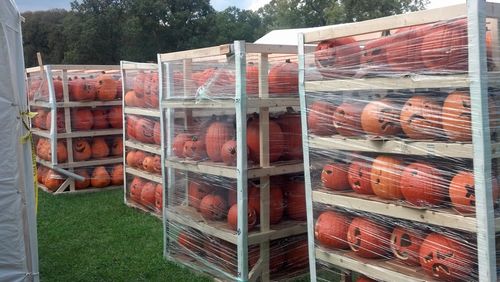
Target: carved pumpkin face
{"type": "Point", "coordinates": [292, 131]}
{"type": "Point", "coordinates": [421, 118]}
{"type": "Point", "coordinates": [117, 175]}
{"type": "Point", "coordinates": [115, 117]}
{"type": "Point", "coordinates": [463, 193]}
{"type": "Point", "coordinates": [385, 177]}
{"type": "Point", "coordinates": [148, 194]}
{"type": "Point", "coordinates": [100, 148]}
{"type": "Point", "coordinates": [136, 189]}
{"type": "Point", "coordinates": [347, 118]}
{"type": "Point", "coordinates": [157, 133]}
{"type": "Point", "coordinates": [197, 190]}
{"type": "Point", "coordinates": [320, 118]}
{"type": "Point", "coordinates": [81, 150]}
{"type": "Point", "coordinates": [422, 184]}
{"type": "Point", "coordinates": [100, 119]}
{"type": "Point", "coordinates": [334, 176]}
{"type": "Point", "coordinates": [81, 89]}
{"type": "Point", "coordinates": [402, 53]}
{"type": "Point", "coordinates": [276, 206]}
{"type": "Point", "coordinates": [283, 78]}
{"type": "Point", "coordinates": [157, 164]}
{"type": "Point", "coordinates": [86, 182]}
{"type": "Point", "coordinates": [337, 57]}
{"type": "Point", "coordinates": [100, 177]}
{"type": "Point", "coordinates": [178, 144]}
{"type": "Point", "coordinates": [445, 258]}
{"type": "Point", "coordinates": [374, 58]}
{"type": "Point", "coordinates": [331, 230]}
{"type": "Point", "coordinates": [358, 176]}
{"type": "Point", "coordinates": [139, 157]}
{"type": "Point", "coordinates": [117, 147]}
{"type": "Point", "coordinates": [232, 217]}
{"type": "Point", "coordinates": [296, 200]}
{"type": "Point", "coordinates": [381, 118]}
{"type": "Point", "coordinates": [457, 116]}
{"type": "Point", "coordinates": [228, 153]}
{"type": "Point", "coordinates": [195, 149]}
{"type": "Point", "coordinates": [144, 130]}
{"type": "Point", "coordinates": [213, 207]}
{"type": "Point", "coordinates": [368, 239]}
{"type": "Point", "coordinates": [217, 134]}
{"type": "Point", "coordinates": [405, 244]}
{"type": "Point", "coordinates": [148, 163]}
{"type": "Point", "coordinates": [276, 140]}
{"type": "Point", "coordinates": [159, 197]}
{"type": "Point", "coordinates": [82, 119]}
{"type": "Point", "coordinates": [60, 123]}
{"type": "Point", "coordinates": [106, 88]}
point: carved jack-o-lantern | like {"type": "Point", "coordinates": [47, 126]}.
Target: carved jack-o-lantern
{"type": "Point", "coordinates": [385, 177]}
{"type": "Point", "coordinates": [277, 141]}
{"type": "Point", "coordinates": [100, 118]}
{"type": "Point", "coordinates": [81, 150]}
{"type": "Point", "coordinates": [195, 149]}
{"type": "Point", "coordinates": [213, 207]}
{"type": "Point", "coordinates": [320, 118]}
{"type": "Point", "coordinates": [463, 193]}
{"type": "Point", "coordinates": [358, 176]}
{"type": "Point", "coordinates": [283, 78]}
{"type": "Point", "coordinates": [60, 123]}
{"type": "Point", "coordinates": [457, 116]}
{"type": "Point", "coordinates": [381, 118]}
{"type": "Point", "coordinates": [135, 189]}
{"type": "Point", "coordinates": [144, 130]}
{"type": "Point", "coordinates": [347, 118]}
{"type": "Point", "coordinates": [445, 258]}
{"type": "Point", "coordinates": [403, 51]}
{"type": "Point", "coordinates": [197, 190]}
{"type": "Point", "coordinates": [276, 204]}
{"type": "Point", "coordinates": [178, 144]}
{"type": "Point", "coordinates": [115, 117]}
{"type": "Point", "coordinates": [159, 197]}
{"type": "Point", "coordinates": [228, 152]}
{"type": "Point", "coordinates": [421, 117]}
{"type": "Point", "coordinates": [106, 88]}
{"type": "Point", "coordinates": [405, 244]}
{"type": "Point", "coordinates": [117, 146]}
{"type": "Point", "coordinates": [148, 194]}
{"type": "Point", "coordinates": [232, 217]}
{"type": "Point", "coordinates": [368, 239]}
{"type": "Point", "coordinates": [337, 57]}
{"type": "Point", "coordinates": [82, 118]}
{"type": "Point", "coordinates": [374, 56]}
{"type": "Point", "coordinates": [331, 230]}
{"type": "Point", "coordinates": [422, 184]}
{"type": "Point", "coordinates": [81, 89]}
{"type": "Point", "coordinates": [334, 176]}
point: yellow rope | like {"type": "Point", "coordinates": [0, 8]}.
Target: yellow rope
{"type": "Point", "coordinates": [29, 138]}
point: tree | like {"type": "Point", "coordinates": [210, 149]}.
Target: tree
{"type": "Point", "coordinates": [235, 24]}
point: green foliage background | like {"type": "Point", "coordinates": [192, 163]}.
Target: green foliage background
{"type": "Point", "coordinates": [107, 31]}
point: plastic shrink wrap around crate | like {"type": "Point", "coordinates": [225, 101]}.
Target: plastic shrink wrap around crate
{"type": "Point", "coordinates": [202, 137]}
{"type": "Point", "coordinates": [391, 126]}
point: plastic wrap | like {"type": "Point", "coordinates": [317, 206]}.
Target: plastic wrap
{"type": "Point", "coordinates": [205, 163]}
{"type": "Point", "coordinates": [84, 137]}
{"type": "Point", "coordinates": [391, 125]}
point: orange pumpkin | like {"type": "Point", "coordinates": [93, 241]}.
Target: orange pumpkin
{"type": "Point", "coordinates": [422, 184]}
{"type": "Point", "coordinates": [283, 78]}
{"type": "Point", "coordinates": [403, 51]}
{"type": "Point", "coordinates": [53, 180]}
{"type": "Point", "coordinates": [117, 146]}
{"type": "Point", "coordinates": [42, 149]}
{"type": "Point", "coordinates": [405, 244]}
{"type": "Point", "coordinates": [290, 124]}
{"type": "Point", "coordinates": [144, 130]}
{"type": "Point", "coordinates": [81, 89]}
{"type": "Point", "coordinates": [106, 88]}
{"type": "Point", "coordinates": [41, 174]}
{"type": "Point", "coordinates": [117, 175]}
{"type": "Point", "coordinates": [358, 176]}
{"type": "Point", "coordinates": [159, 197]}
{"type": "Point", "coordinates": [229, 153]}
{"type": "Point", "coordinates": [58, 88]}
{"type": "Point", "coordinates": [148, 163]}
{"type": "Point", "coordinates": [100, 148]}
{"type": "Point", "coordinates": [115, 117]}
{"type": "Point", "coordinates": [381, 118]}
{"type": "Point", "coordinates": [421, 118]}
{"type": "Point", "coordinates": [157, 164]}
{"type": "Point", "coordinates": [100, 177]}
{"type": "Point", "coordinates": [130, 158]}
{"type": "Point", "coordinates": [218, 133]}
{"type": "Point", "coordinates": [157, 133]}
{"type": "Point", "coordinates": [197, 190]}
{"type": "Point", "coordinates": [297, 255]}
{"type": "Point", "coordinates": [195, 149]}
{"type": "Point", "coordinates": [276, 205]}
{"type": "Point", "coordinates": [86, 182]}
{"type": "Point", "coordinates": [130, 99]}
{"type": "Point", "coordinates": [252, 79]}
{"type": "Point", "coordinates": [131, 124]}
{"type": "Point", "coordinates": [141, 81]}
{"type": "Point", "coordinates": [334, 176]}
{"type": "Point", "coordinates": [100, 119]}
{"type": "Point", "coordinates": [139, 157]}
{"type": "Point", "coordinates": [213, 207]}
{"type": "Point", "coordinates": [82, 150]}
{"type": "Point", "coordinates": [296, 200]}
{"type": "Point", "coordinates": [232, 217]}
{"type": "Point", "coordinates": [320, 118]}
{"type": "Point", "coordinates": [385, 177]}
{"type": "Point", "coordinates": [363, 278]}
{"type": "Point", "coordinates": [135, 189]}
{"type": "Point", "coordinates": [374, 57]}
{"type": "Point", "coordinates": [62, 151]}
{"type": "Point", "coordinates": [368, 239]}
{"type": "Point", "coordinates": [331, 230]}
{"type": "Point", "coordinates": [457, 116]}
{"type": "Point", "coordinates": [463, 194]}
{"type": "Point", "coordinates": [178, 144]}
{"type": "Point", "coordinates": [60, 123]}
{"type": "Point", "coordinates": [277, 142]}
{"type": "Point", "coordinates": [337, 57]}
{"type": "Point", "coordinates": [40, 120]}
{"type": "Point", "coordinates": [347, 118]}
{"type": "Point", "coordinates": [82, 119]}
{"type": "Point", "coordinates": [148, 194]}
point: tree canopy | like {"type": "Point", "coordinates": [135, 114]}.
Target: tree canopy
{"type": "Point", "coordinates": [107, 31]}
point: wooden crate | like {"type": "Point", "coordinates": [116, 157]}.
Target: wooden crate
{"type": "Point", "coordinates": [182, 103]}
{"type": "Point", "coordinates": [42, 95]}
{"type": "Point", "coordinates": [315, 86]}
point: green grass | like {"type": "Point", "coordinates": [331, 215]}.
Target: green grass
{"type": "Point", "coordinates": [95, 237]}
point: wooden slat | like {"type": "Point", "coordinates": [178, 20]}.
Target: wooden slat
{"type": "Point", "coordinates": [142, 111]}
{"type": "Point", "coordinates": [150, 148]}
{"type": "Point", "coordinates": [144, 174]}
{"type": "Point", "coordinates": [252, 103]}
{"type": "Point", "coordinates": [105, 161]}
{"type": "Point", "coordinates": [100, 132]}
{"type": "Point", "coordinates": [277, 231]}
{"type": "Point", "coordinates": [271, 48]}
{"type": "Point", "coordinates": [126, 65]}
{"type": "Point", "coordinates": [196, 53]}
{"type": "Point", "coordinates": [89, 190]}
{"type": "Point", "coordinates": [406, 147]}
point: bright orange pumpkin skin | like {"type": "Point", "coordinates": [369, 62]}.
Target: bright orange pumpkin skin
{"type": "Point", "coordinates": [368, 239]}
{"type": "Point", "coordinates": [276, 205]}
{"type": "Point", "coordinates": [405, 244]}
{"type": "Point", "coordinates": [197, 190]}
{"type": "Point", "coordinates": [159, 197]}
{"type": "Point", "coordinates": [100, 148]}
{"type": "Point", "coordinates": [218, 133]}
{"type": "Point", "coordinates": [277, 141]}
{"type": "Point", "coordinates": [229, 153]}
{"type": "Point", "coordinates": [100, 177]}
{"type": "Point", "coordinates": [100, 119]}
{"type": "Point", "coordinates": [115, 117]}
{"type": "Point", "coordinates": [148, 195]}
{"type": "Point", "coordinates": [386, 176]}
{"type": "Point", "coordinates": [106, 88]}
{"type": "Point", "coordinates": [338, 57]}
{"type": "Point", "coordinates": [334, 177]}
{"type": "Point", "coordinates": [296, 200]}
{"type": "Point", "coordinates": [422, 184]}
{"type": "Point", "coordinates": [292, 131]}
{"type": "Point", "coordinates": [213, 207]}
{"type": "Point", "coordinates": [421, 118]}
{"type": "Point", "coordinates": [347, 118]}
{"type": "Point", "coordinates": [463, 194]}
{"type": "Point", "coordinates": [381, 118]}
{"type": "Point", "coordinates": [283, 78]}
{"type": "Point", "coordinates": [60, 123]}
{"type": "Point", "coordinates": [135, 189]}
{"type": "Point", "coordinates": [82, 119]}
{"type": "Point", "coordinates": [358, 176]}
{"type": "Point", "coordinates": [331, 230]}
{"type": "Point", "coordinates": [144, 130]}
{"type": "Point", "coordinates": [232, 217]}
{"type": "Point", "coordinates": [320, 118]}
{"type": "Point", "coordinates": [117, 175]}
{"type": "Point", "coordinates": [86, 182]}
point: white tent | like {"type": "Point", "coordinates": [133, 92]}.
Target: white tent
{"type": "Point", "coordinates": [18, 241]}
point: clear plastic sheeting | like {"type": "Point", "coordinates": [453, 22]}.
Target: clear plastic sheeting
{"type": "Point", "coordinates": [18, 240]}
{"type": "Point", "coordinates": [390, 120]}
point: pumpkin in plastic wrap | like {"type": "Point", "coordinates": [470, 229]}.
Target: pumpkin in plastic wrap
{"type": "Point", "coordinates": [157, 164]}
{"type": "Point", "coordinates": [276, 204]}
{"type": "Point", "coordinates": [62, 151]}
{"type": "Point", "coordinates": [462, 191]}
{"type": "Point", "coordinates": [82, 119]}
{"type": "Point", "coordinates": [131, 122]}
{"type": "Point", "coordinates": [229, 153]}
{"type": "Point", "coordinates": [106, 88]}
{"type": "Point", "coordinates": [81, 89]}
{"type": "Point", "coordinates": [423, 184]}
{"type": "Point", "coordinates": [385, 177]}
{"type": "Point", "coordinates": [197, 190]}
{"type": "Point", "coordinates": [368, 238]}
{"type": "Point", "coordinates": [178, 144]}
{"type": "Point", "coordinates": [148, 194]}
{"type": "Point", "coordinates": [157, 133]}
{"type": "Point", "coordinates": [295, 195]}
{"type": "Point", "coordinates": [100, 118]}
{"type": "Point", "coordinates": [100, 148]}
{"type": "Point", "coordinates": [53, 180]}
{"type": "Point", "coordinates": [130, 158]}
{"type": "Point", "coordinates": [117, 146]}
{"type": "Point", "coordinates": [195, 149]}
{"type": "Point", "coordinates": [283, 78]}
{"type": "Point", "coordinates": [320, 118]}
{"type": "Point", "coordinates": [252, 79]}
{"type": "Point", "coordinates": [42, 149]}
{"type": "Point", "coordinates": [159, 197]}
{"type": "Point", "coordinates": [331, 230]}
{"type": "Point", "coordinates": [82, 150]}
{"type": "Point", "coordinates": [140, 83]}
{"type": "Point", "coordinates": [347, 118]}
{"type": "Point", "coordinates": [381, 118]}
{"type": "Point", "coordinates": [447, 259]}
{"type": "Point", "coordinates": [297, 254]}
{"type": "Point", "coordinates": [148, 164]}
{"type": "Point", "coordinates": [86, 182]}
{"type": "Point", "coordinates": [135, 189]}
{"type": "Point", "coordinates": [218, 133]}
{"type": "Point", "coordinates": [405, 244]}
{"type": "Point", "coordinates": [115, 117]}
{"type": "Point", "coordinates": [41, 174]}
{"type": "Point", "coordinates": [374, 58]}
{"type": "Point", "coordinates": [213, 207]}
{"type": "Point", "coordinates": [144, 130]}
{"type": "Point", "coordinates": [290, 124]}
{"type": "Point", "coordinates": [117, 175]}
{"type": "Point", "coordinates": [58, 88]}
{"type": "Point", "coordinates": [277, 142]}
{"type": "Point", "coordinates": [403, 51]}
{"type": "Point", "coordinates": [457, 116]}
{"type": "Point", "coordinates": [131, 99]}
{"type": "Point", "coordinates": [359, 176]}
{"type": "Point", "coordinates": [100, 177]}
{"type": "Point", "coordinates": [40, 120]}
{"type": "Point", "coordinates": [190, 240]}
{"type": "Point", "coordinates": [421, 118]}
{"type": "Point", "coordinates": [60, 123]}
{"type": "Point", "coordinates": [232, 217]}
{"type": "Point", "coordinates": [334, 177]}
{"type": "Point", "coordinates": [337, 57]}
{"type": "Point", "coordinates": [138, 159]}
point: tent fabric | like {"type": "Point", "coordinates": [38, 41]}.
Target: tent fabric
{"type": "Point", "coordinates": [18, 242]}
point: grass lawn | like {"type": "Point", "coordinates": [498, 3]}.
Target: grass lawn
{"type": "Point", "coordinates": [95, 237]}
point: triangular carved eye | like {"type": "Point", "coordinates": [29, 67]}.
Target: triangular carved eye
{"type": "Point", "coordinates": [471, 192]}
{"type": "Point", "coordinates": [328, 171]}
{"type": "Point", "coordinates": [405, 240]}
{"type": "Point", "coordinates": [466, 104]}
{"type": "Point", "coordinates": [429, 257]}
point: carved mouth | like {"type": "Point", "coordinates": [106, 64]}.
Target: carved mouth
{"type": "Point", "coordinates": [415, 117]}
{"type": "Point", "coordinates": [439, 268]}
